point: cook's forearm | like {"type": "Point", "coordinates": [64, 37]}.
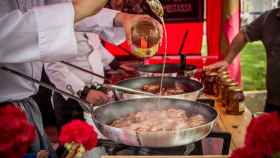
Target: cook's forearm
{"type": "Point", "coordinates": [236, 46]}
{"type": "Point", "coordinates": [103, 19]}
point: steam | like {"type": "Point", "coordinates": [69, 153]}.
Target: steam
{"type": "Point", "coordinates": [146, 115]}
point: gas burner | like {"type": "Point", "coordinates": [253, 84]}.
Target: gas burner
{"type": "Point", "coordinates": [181, 150]}
{"type": "Point", "coordinates": [120, 149]}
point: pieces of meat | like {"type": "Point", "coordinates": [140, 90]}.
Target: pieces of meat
{"type": "Point", "coordinates": [152, 88]}
{"type": "Point", "coordinates": [196, 120]}
{"type": "Point", "coordinates": [158, 120]}
{"type": "Point", "coordinates": [155, 88]}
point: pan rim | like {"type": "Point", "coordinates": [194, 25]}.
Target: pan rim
{"type": "Point", "coordinates": [158, 132]}
{"type": "Point", "coordinates": [199, 84]}
{"type": "Point", "coordinates": [141, 67]}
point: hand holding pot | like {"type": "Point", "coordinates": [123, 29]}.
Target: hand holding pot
{"type": "Point", "coordinates": [128, 20]}
{"type": "Point", "coordinates": [216, 66]}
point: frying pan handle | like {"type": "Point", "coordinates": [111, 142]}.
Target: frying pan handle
{"type": "Point", "coordinates": [115, 95]}
{"type": "Point", "coordinates": [84, 70]}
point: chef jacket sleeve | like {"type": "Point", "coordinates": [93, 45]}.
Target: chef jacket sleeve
{"type": "Point", "coordinates": [254, 30]}
{"type": "Point", "coordinates": [61, 77]}
{"type": "Point", "coordinates": [43, 33]}
{"type": "Point", "coordinates": [103, 24]}
{"type": "Point", "coordinates": [115, 35]}
{"type": "Point", "coordinates": [103, 19]}
{"type": "Point", "coordinates": [106, 56]}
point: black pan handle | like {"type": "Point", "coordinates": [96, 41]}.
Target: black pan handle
{"type": "Point", "coordinates": [84, 70]}
{"type": "Point", "coordinates": [182, 56]}
{"type": "Point", "coordinates": [115, 95]}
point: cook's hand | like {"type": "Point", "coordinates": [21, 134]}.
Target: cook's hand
{"type": "Point", "coordinates": [96, 97]}
{"type": "Point", "coordinates": [85, 8]}
{"type": "Point", "coordinates": [42, 154]}
{"type": "Point", "coordinates": [128, 20]}
{"type": "Point", "coordinates": [216, 66]}
{"type": "Point", "coordinates": [127, 68]}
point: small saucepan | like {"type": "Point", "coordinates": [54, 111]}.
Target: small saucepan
{"type": "Point", "coordinates": [191, 87]}
{"type": "Point", "coordinates": [171, 70]}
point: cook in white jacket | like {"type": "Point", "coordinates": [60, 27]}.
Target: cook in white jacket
{"type": "Point", "coordinates": [95, 58]}
{"type": "Point", "coordinates": [31, 35]}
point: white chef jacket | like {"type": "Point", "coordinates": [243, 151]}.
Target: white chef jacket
{"type": "Point", "coordinates": [95, 59]}
{"type": "Point", "coordinates": [44, 33]}
{"type": "Point", "coordinates": [31, 36]}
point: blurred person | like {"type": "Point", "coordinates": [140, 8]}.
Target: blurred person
{"type": "Point", "coordinates": [266, 29]}
{"type": "Point", "coordinates": [95, 59]}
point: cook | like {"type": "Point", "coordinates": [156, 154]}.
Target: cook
{"type": "Point", "coordinates": [30, 35]}
{"type": "Point", "coordinates": [95, 59]}
{"type": "Point", "coordinates": [66, 78]}
{"type": "Point", "coordinates": [266, 29]}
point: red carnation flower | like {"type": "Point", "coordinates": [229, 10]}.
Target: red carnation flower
{"type": "Point", "coordinates": [79, 132]}
{"type": "Point", "coordinates": [245, 152]}
{"type": "Point", "coordinates": [262, 136]}
{"type": "Point", "coordinates": [16, 133]}
{"type": "Point", "coordinates": [262, 133]}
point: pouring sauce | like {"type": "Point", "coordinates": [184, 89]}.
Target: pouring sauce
{"type": "Point", "coordinates": [164, 57]}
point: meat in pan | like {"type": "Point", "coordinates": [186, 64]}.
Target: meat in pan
{"type": "Point", "coordinates": [178, 88]}
{"type": "Point", "coordinates": [159, 120]}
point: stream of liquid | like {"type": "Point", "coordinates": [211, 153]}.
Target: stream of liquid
{"type": "Point", "coordinates": [164, 56]}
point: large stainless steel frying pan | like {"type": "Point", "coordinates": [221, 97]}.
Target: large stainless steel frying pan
{"type": "Point", "coordinates": [106, 114]}
{"type": "Point", "coordinates": [195, 88]}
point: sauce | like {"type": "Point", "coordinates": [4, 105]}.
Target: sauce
{"type": "Point", "coordinates": [164, 57]}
